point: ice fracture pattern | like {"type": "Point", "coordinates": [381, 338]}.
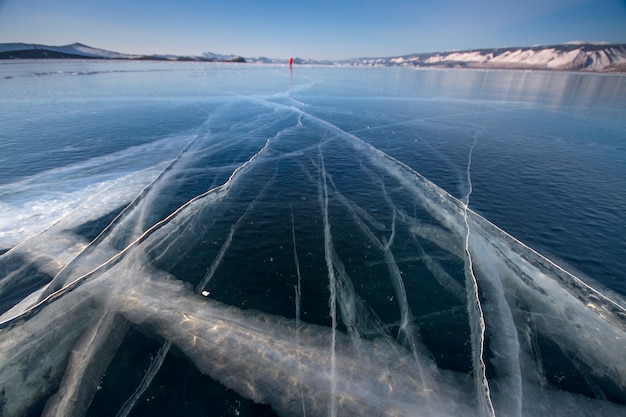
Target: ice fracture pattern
{"type": "Point", "coordinates": [300, 266]}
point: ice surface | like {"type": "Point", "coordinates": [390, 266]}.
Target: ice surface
{"type": "Point", "coordinates": [276, 199]}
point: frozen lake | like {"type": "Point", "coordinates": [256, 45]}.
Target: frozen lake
{"type": "Point", "coordinates": [201, 239]}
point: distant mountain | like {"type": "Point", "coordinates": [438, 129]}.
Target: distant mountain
{"type": "Point", "coordinates": [76, 50]}
{"type": "Point", "coordinates": [284, 61]}
{"type": "Point", "coordinates": [570, 57]}
{"type": "Point", "coordinates": [210, 56]}
{"type": "Point", "coordinates": [566, 57]}
{"type": "Point", "coordinates": [80, 51]}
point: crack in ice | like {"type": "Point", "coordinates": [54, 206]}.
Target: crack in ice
{"type": "Point", "coordinates": [328, 251]}
{"type": "Point", "coordinates": [298, 289]}
{"type": "Point", "coordinates": [475, 308]}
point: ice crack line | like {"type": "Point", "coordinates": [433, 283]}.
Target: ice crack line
{"type": "Point", "coordinates": [473, 299]}
{"type": "Point", "coordinates": [328, 251]}
{"type": "Point", "coordinates": [154, 368]}
{"type": "Point", "coordinates": [298, 299]}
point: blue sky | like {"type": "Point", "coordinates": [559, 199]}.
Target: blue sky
{"type": "Point", "coordinates": [318, 29]}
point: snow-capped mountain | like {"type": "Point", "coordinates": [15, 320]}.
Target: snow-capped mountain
{"type": "Point", "coordinates": [285, 61]}
{"type": "Point", "coordinates": [218, 57]}
{"type": "Point", "coordinates": [571, 57]}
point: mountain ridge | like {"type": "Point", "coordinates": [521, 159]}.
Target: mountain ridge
{"type": "Point", "coordinates": [567, 57]}
{"type": "Point", "coordinates": [573, 56]}
{"type": "Point", "coordinates": [81, 51]}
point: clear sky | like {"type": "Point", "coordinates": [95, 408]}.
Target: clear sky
{"type": "Point", "coordinates": [317, 29]}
